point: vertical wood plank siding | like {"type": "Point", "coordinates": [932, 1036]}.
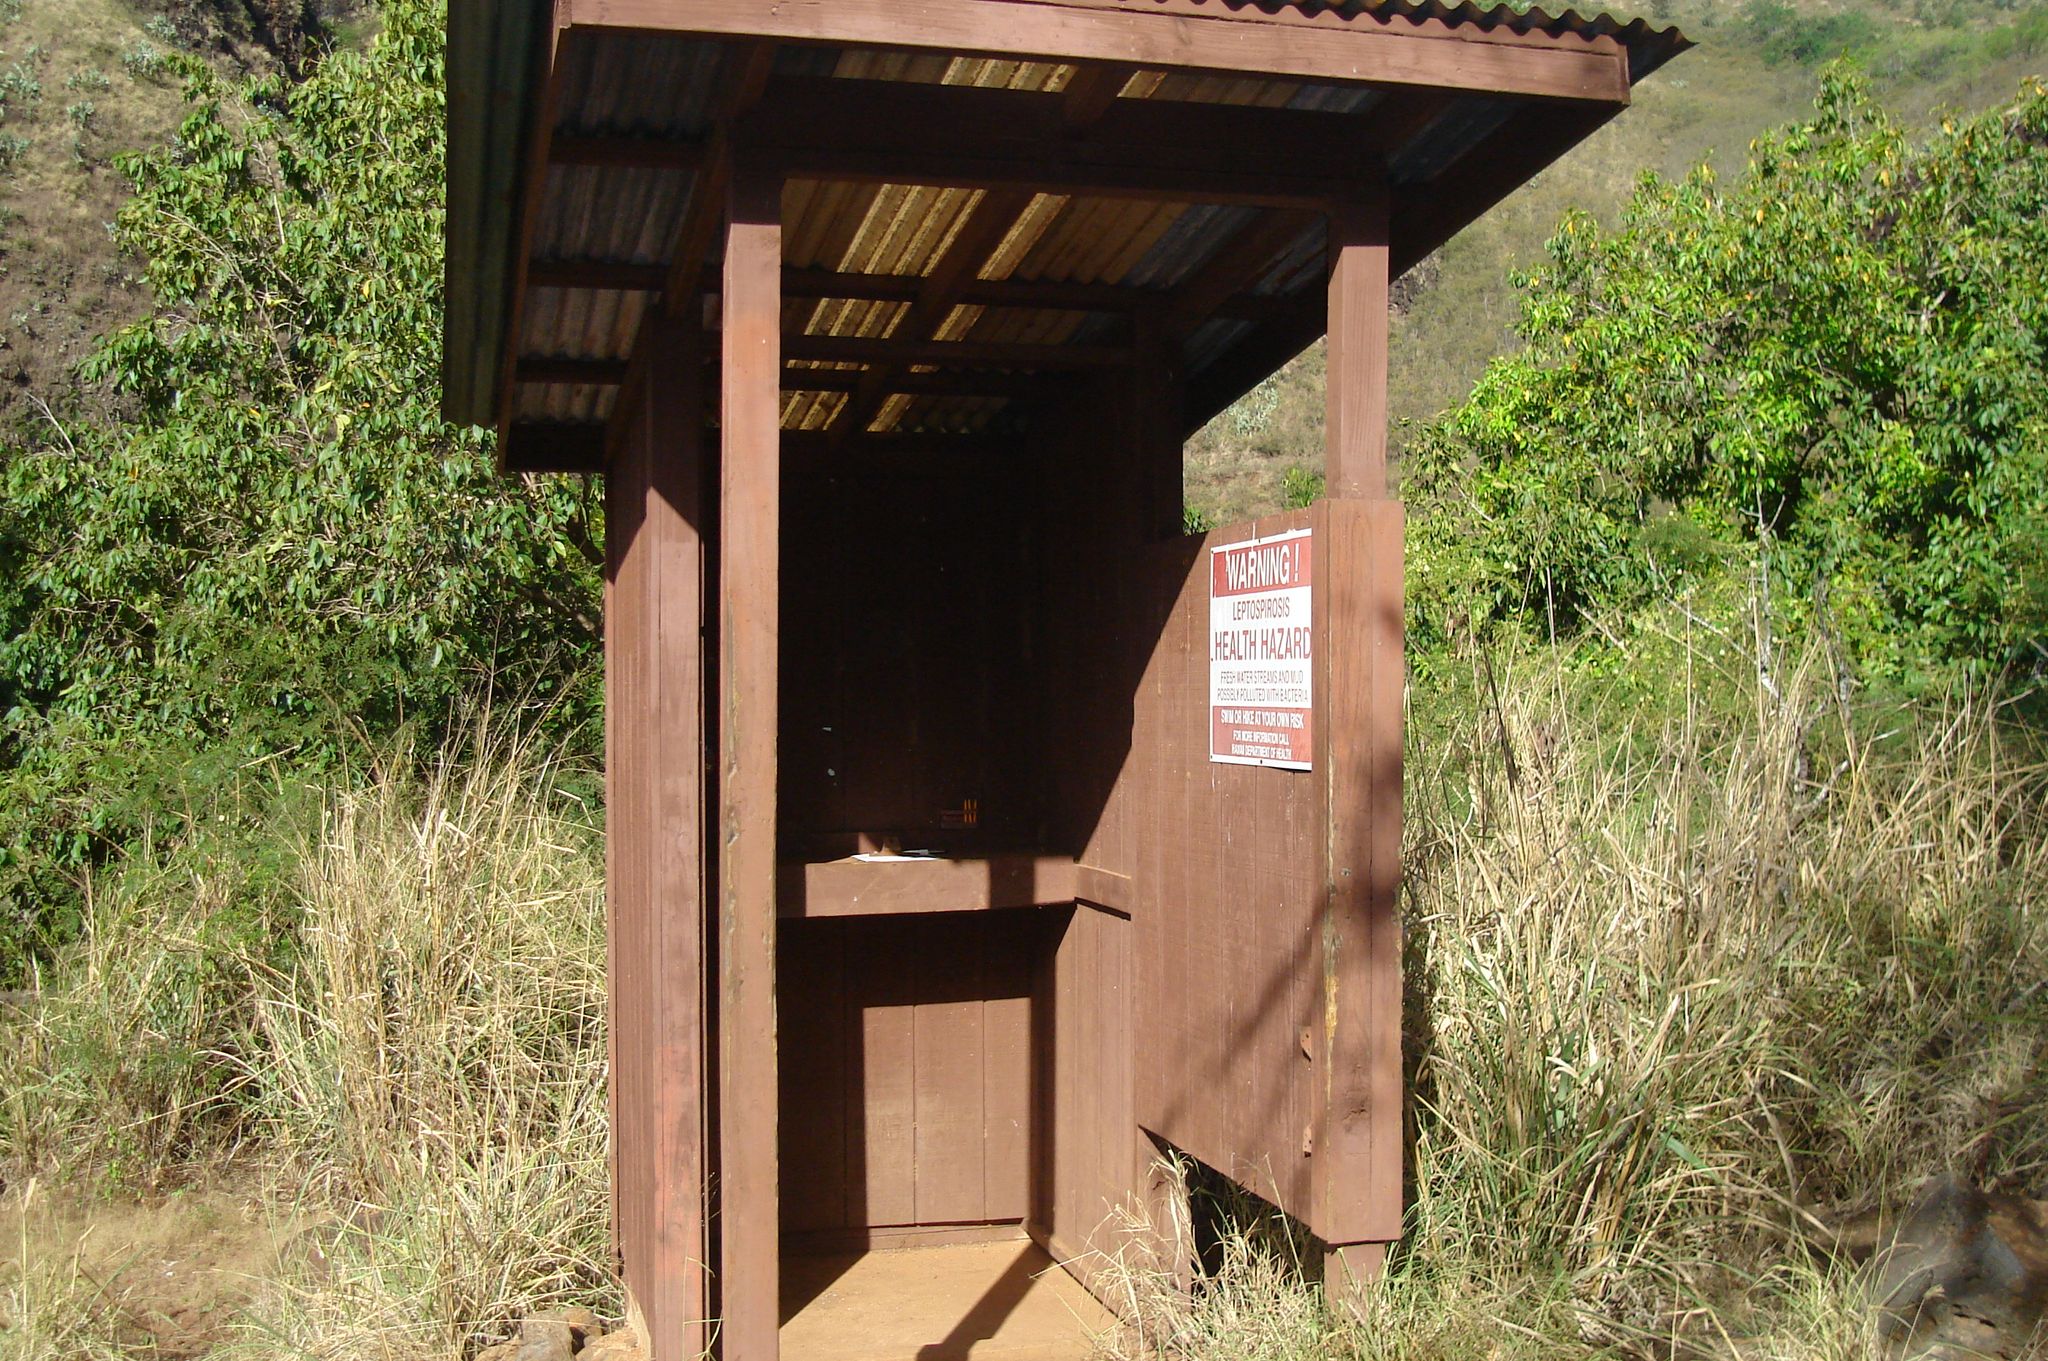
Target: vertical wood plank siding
{"type": "Point", "coordinates": [654, 673]}
{"type": "Point", "coordinates": [1228, 878]}
{"type": "Point", "coordinates": [749, 575]}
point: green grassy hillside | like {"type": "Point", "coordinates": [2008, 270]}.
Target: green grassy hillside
{"type": "Point", "coordinates": [1756, 66]}
{"type": "Point", "coordinates": [82, 81]}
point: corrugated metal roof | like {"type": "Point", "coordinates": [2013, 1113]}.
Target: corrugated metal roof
{"type": "Point", "coordinates": [663, 87]}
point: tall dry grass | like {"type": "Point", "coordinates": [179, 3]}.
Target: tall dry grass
{"type": "Point", "coordinates": [408, 1047]}
{"type": "Point", "coordinates": [1668, 983]}
{"type": "Point", "coordinates": [433, 1063]}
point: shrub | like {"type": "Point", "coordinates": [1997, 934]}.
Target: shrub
{"type": "Point", "coordinates": [1832, 365]}
{"type": "Point", "coordinates": [284, 547]}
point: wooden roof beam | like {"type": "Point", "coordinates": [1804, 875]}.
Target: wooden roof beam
{"type": "Point", "coordinates": [1027, 358]}
{"type": "Point", "coordinates": [551, 447]}
{"type": "Point", "coordinates": [1363, 48]}
{"type": "Point", "coordinates": [900, 132]}
{"type": "Point", "coordinates": [741, 77]}
{"type": "Point", "coordinates": [538, 370]}
{"type": "Point", "coordinates": [1086, 100]}
{"type": "Point", "coordinates": [1049, 294]}
{"type": "Point", "coordinates": [991, 218]}
{"type": "Point", "coordinates": [1092, 93]}
{"type": "Point", "coordinates": [579, 447]}
{"type": "Point", "coordinates": [632, 153]}
{"type": "Point", "coordinates": [1046, 294]}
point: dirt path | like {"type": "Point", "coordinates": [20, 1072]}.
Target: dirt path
{"type": "Point", "coordinates": [164, 1273]}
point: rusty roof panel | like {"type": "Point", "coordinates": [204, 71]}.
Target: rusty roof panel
{"type": "Point", "coordinates": [1460, 128]}
{"type": "Point", "coordinates": [592, 212]}
{"type": "Point", "coordinates": [653, 86]}
{"type": "Point", "coordinates": [1194, 236]}
{"type": "Point", "coordinates": [581, 323]}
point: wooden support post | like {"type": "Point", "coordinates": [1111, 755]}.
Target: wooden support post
{"type": "Point", "coordinates": [1359, 685]}
{"type": "Point", "coordinates": [1355, 431]}
{"type": "Point", "coordinates": [1358, 1152]}
{"type": "Point", "coordinates": [749, 550]}
{"type": "Point", "coordinates": [1349, 1270]}
{"type": "Point", "coordinates": [655, 880]}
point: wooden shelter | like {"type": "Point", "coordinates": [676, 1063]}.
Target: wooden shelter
{"type": "Point", "coordinates": [885, 321]}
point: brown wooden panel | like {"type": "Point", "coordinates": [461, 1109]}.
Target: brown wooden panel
{"type": "Point", "coordinates": [654, 858]}
{"type": "Point", "coordinates": [810, 981]}
{"type": "Point", "coordinates": [851, 888]}
{"type": "Point", "coordinates": [950, 1129]}
{"type": "Point", "coordinates": [1014, 941]}
{"type": "Point", "coordinates": [907, 1072]}
{"type": "Point", "coordinates": [908, 663]}
{"type": "Point", "coordinates": [1228, 885]}
{"type": "Point", "coordinates": [1087, 1160]}
{"type": "Point", "coordinates": [882, 1109]}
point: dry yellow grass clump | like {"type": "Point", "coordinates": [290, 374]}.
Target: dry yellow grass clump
{"type": "Point", "coordinates": [417, 1081]}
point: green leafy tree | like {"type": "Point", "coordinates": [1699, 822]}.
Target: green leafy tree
{"type": "Point", "coordinates": [1839, 363]}
{"type": "Point", "coordinates": [281, 543]}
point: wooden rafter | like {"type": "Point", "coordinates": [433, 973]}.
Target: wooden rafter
{"type": "Point", "coordinates": [988, 222]}
{"type": "Point", "coordinates": [1045, 294]}
{"type": "Point", "coordinates": [1092, 93]}
{"type": "Point", "coordinates": [570, 372]}
{"type": "Point", "coordinates": [741, 78]}
{"type": "Point", "coordinates": [1021, 355]}
{"type": "Point", "coordinates": [1039, 293]}
{"type": "Point", "coordinates": [1086, 101]}
{"type": "Point", "coordinates": [635, 153]}
{"type": "Point", "coordinates": [797, 378]}
{"type": "Point", "coordinates": [902, 132]}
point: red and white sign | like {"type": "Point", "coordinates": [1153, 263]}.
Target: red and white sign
{"type": "Point", "coordinates": [1260, 710]}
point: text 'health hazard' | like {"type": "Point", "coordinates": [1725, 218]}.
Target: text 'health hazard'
{"type": "Point", "coordinates": [1261, 711]}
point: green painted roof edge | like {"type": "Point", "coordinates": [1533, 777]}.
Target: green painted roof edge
{"type": "Point", "coordinates": [494, 47]}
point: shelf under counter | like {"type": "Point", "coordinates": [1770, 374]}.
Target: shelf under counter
{"type": "Point", "coordinates": [852, 887]}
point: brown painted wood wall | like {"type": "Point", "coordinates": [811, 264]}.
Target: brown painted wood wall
{"type": "Point", "coordinates": [1087, 1142]}
{"type": "Point", "coordinates": [1229, 877]}
{"type": "Point", "coordinates": [655, 783]}
{"type": "Point", "coordinates": [908, 661]}
{"type": "Point", "coordinates": [907, 1075]}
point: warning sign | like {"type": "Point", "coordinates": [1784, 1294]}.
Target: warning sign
{"type": "Point", "coordinates": [1260, 709]}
